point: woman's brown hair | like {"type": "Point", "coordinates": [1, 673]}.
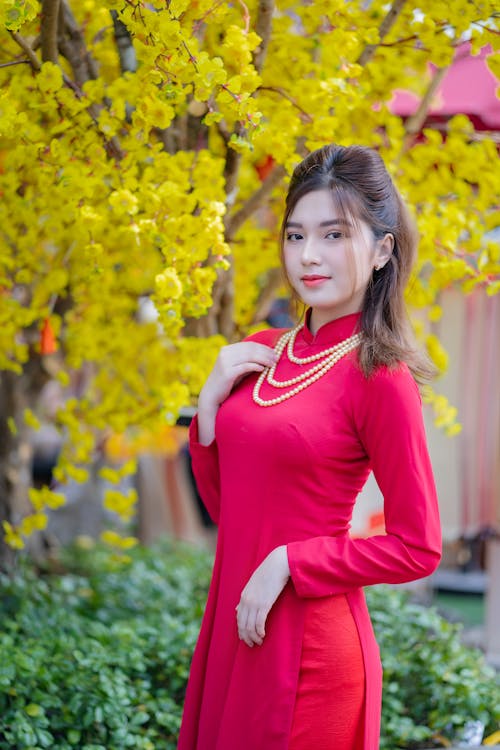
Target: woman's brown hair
{"type": "Point", "coordinates": [363, 189]}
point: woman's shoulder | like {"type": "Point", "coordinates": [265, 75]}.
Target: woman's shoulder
{"type": "Point", "coordinates": [388, 400]}
{"type": "Point", "coordinates": [393, 382]}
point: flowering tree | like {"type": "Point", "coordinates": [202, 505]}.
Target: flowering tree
{"type": "Point", "coordinates": [143, 152]}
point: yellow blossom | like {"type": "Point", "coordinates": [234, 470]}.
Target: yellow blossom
{"type": "Point", "coordinates": [34, 522]}
{"type": "Point", "coordinates": [46, 498]}
{"type": "Point", "coordinates": [124, 202]}
{"type": "Point", "coordinates": [115, 540]}
{"type": "Point", "coordinates": [31, 419]}
{"type": "Point", "coordinates": [436, 352]}
{"type": "Point", "coordinates": [12, 536]}
{"type": "Point", "coordinates": [120, 503]}
{"type": "Point", "coordinates": [168, 284]}
{"type": "Point", "coordinates": [159, 114]}
{"type": "Point", "coordinates": [50, 78]}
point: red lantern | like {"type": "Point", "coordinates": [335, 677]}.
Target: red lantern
{"type": "Point", "coordinates": [264, 166]}
{"type": "Point", "coordinates": [48, 343]}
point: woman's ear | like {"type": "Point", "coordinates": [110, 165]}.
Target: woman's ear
{"type": "Point", "coordinates": [383, 250]}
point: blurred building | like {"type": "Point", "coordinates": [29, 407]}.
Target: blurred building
{"type": "Point", "coordinates": [467, 467]}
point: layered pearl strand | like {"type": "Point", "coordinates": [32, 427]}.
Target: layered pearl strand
{"type": "Point", "coordinates": [325, 359]}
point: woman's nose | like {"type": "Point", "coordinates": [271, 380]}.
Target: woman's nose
{"type": "Point", "coordinates": [309, 253]}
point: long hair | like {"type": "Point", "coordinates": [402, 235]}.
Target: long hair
{"type": "Point", "coordinates": [363, 191]}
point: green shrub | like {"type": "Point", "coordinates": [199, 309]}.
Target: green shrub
{"type": "Point", "coordinates": [433, 685]}
{"type": "Point", "coordinates": [97, 658]}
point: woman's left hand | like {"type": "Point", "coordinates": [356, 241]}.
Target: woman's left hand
{"type": "Point", "coordinates": [259, 595]}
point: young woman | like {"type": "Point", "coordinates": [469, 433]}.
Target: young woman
{"type": "Point", "coordinates": [289, 425]}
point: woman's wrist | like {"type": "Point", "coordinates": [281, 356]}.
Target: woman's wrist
{"type": "Point", "coordinates": [206, 402]}
{"type": "Point", "coordinates": [281, 554]}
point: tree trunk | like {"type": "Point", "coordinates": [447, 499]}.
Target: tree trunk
{"type": "Point", "coordinates": [17, 392]}
{"type": "Point", "coordinates": [15, 459]}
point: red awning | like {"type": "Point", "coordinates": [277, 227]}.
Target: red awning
{"type": "Point", "coordinates": [469, 87]}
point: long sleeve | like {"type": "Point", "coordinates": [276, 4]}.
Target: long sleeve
{"type": "Point", "coordinates": [205, 465]}
{"type": "Point", "coordinates": [387, 414]}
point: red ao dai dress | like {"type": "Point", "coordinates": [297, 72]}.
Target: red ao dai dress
{"type": "Point", "coordinates": [289, 474]}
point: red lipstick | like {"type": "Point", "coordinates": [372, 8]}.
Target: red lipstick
{"type": "Point", "coordinates": [314, 280]}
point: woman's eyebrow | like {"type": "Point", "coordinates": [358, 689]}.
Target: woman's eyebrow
{"type": "Point", "coordinates": [328, 223]}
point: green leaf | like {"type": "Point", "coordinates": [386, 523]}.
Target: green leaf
{"type": "Point", "coordinates": [32, 709]}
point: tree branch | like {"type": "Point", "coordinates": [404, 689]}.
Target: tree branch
{"type": "Point", "coordinates": [233, 161]}
{"type": "Point", "coordinates": [126, 51]}
{"type": "Point", "coordinates": [246, 16]}
{"type": "Point", "coordinates": [305, 116]}
{"type": "Point", "coordinates": [48, 30]}
{"type": "Point", "coordinates": [385, 27]}
{"type": "Point", "coordinates": [475, 135]}
{"type": "Point", "coordinates": [486, 28]}
{"type": "Point", "coordinates": [252, 204]}
{"type": "Point", "coordinates": [14, 62]}
{"type": "Point", "coordinates": [72, 46]}
{"type": "Point", "coordinates": [199, 23]}
{"type": "Point", "coordinates": [231, 169]}
{"type": "Point", "coordinates": [414, 123]}
{"type": "Point", "coordinates": [23, 43]}
{"type": "Point", "coordinates": [225, 317]}
{"type": "Point", "coordinates": [263, 28]}
{"type": "Point", "coordinates": [267, 295]}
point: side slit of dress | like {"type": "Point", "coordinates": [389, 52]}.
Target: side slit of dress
{"type": "Point", "coordinates": [329, 708]}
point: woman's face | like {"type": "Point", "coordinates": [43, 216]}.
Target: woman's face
{"type": "Point", "coordinates": [328, 260]}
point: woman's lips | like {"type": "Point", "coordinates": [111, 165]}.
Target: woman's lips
{"type": "Point", "coordinates": [314, 280]}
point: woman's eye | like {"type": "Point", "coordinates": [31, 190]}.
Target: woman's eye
{"type": "Point", "coordinates": [334, 235]}
{"type": "Point", "coordinates": [293, 236]}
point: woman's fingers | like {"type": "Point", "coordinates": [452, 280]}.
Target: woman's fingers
{"type": "Point", "coordinates": [253, 630]}
{"type": "Point", "coordinates": [260, 623]}
{"type": "Point", "coordinates": [242, 359]}
{"type": "Point", "coordinates": [233, 363]}
{"type": "Point", "coordinates": [247, 353]}
{"type": "Point", "coordinates": [250, 625]}
{"type": "Point", "coordinates": [243, 625]}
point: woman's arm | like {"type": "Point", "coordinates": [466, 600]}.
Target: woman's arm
{"type": "Point", "coordinates": [263, 588]}
{"type": "Point", "coordinates": [388, 416]}
{"type": "Point", "coordinates": [205, 467]}
{"type": "Point", "coordinates": [232, 364]}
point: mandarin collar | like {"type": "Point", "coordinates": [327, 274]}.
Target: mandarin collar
{"type": "Point", "coordinates": [330, 333]}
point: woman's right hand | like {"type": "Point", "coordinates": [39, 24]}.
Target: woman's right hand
{"type": "Point", "coordinates": [233, 363]}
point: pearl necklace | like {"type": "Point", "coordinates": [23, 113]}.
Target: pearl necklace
{"type": "Point", "coordinates": [329, 357]}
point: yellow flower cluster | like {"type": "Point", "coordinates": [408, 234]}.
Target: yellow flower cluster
{"type": "Point", "coordinates": [41, 500]}
{"type": "Point", "coordinates": [14, 14]}
{"type": "Point", "coordinates": [119, 544]}
{"type": "Point", "coordinates": [50, 79]}
{"type": "Point", "coordinates": [436, 352]}
{"type": "Point", "coordinates": [445, 413]}
{"type": "Point", "coordinates": [115, 475]}
{"type": "Point", "coordinates": [116, 540]}
{"type": "Point", "coordinates": [45, 498]}
{"type": "Point", "coordinates": [12, 536]}
{"type": "Point", "coordinates": [121, 504]}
